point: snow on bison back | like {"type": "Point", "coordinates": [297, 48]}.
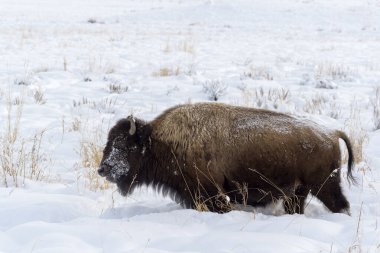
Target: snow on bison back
{"type": "Point", "coordinates": [202, 153]}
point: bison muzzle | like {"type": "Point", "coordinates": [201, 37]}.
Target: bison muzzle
{"type": "Point", "coordinates": [212, 156]}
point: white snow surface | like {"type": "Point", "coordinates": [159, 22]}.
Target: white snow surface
{"type": "Point", "coordinates": [157, 54]}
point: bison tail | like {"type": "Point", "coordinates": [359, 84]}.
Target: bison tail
{"type": "Point", "coordinates": [350, 166]}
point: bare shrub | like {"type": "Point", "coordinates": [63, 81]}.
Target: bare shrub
{"type": "Point", "coordinates": [87, 79]}
{"type": "Point", "coordinates": [94, 20]}
{"type": "Point", "coordinates": [116, 87]}
{"type": "Point", "coordinates": [64, 64]}
{"type": "Point", "coordinates": [75, 124]}
{"type": "Point", "coordinates": [325, 84]}
{"type": "Point", "coordinates": [214, 89]}
{"type": "Point", "coordinates": [39, 96]}
{"type": "Point", "coordinates": [41, 69]}
{"type": "Point", "coordinates": [190, 69]}
{"type": "Point", "coordinates": [23, 80]}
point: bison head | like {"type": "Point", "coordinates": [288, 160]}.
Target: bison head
{"type": "Point", "coordinates": [126, 145]}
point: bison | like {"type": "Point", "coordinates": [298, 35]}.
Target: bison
{"type": "Point", "coordinates": [212, 156]}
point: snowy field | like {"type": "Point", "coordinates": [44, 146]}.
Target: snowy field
{"type": "Point", "coordinates": [70, 69]}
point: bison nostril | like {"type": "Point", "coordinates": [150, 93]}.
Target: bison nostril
{"type": "Point", "coordinates": [102, 171]}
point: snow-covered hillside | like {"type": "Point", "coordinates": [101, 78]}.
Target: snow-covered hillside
{"type": "Point", "coordinates": [70, 69]}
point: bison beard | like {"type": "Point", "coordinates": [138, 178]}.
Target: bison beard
{"type": "Point", "coordinates": [211, 156]}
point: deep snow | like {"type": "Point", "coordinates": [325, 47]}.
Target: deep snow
{"type": "Point", "coordinates": [155, 54]}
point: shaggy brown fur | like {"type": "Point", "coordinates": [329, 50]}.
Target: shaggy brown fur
{"type": "Point", "coordinates": [201, 153]}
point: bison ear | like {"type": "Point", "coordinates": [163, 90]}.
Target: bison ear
{"type": "Point", "coordinates": [139, 129]}
{"type": "Point", "coordinates": [144, 131]}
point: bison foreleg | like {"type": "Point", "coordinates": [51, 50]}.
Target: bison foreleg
{"type": "Point", "coordinates": [218, 203]}
{"type": "Point", "coordinates": [296, 203]}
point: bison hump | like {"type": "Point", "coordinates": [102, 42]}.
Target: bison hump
{"type": "Point", "coordinates": [192, 125]}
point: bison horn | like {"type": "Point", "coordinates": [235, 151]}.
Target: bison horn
{"type": "Point", "coordinates": [132, 129]}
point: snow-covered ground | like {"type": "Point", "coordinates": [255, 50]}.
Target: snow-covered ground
{"type": "Point", "coordinates": [71, 68]}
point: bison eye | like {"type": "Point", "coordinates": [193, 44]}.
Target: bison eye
{"type": "Point", "coordinates": [132, 148]}
{"type": "Point", "coordinates": [119, 143]}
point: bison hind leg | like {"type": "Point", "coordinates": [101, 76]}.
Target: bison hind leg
{"type": "Point", "coordinates": [296, 203]}
{"type": "Point", "coordinates": [331, 195]}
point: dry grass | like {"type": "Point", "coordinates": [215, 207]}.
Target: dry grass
{"type": "Point", "coordinates": [320, 104]}
{"type": "Point", "coordinates": [333, 71]}
{"type": "Point", "coordinates": [186, 45]}
{"type": "Point", "coordinates": [375, 102]}
{"type": "Point", "coordinates": [221, 200]}
{"type": "Point", "coordinates": [166, 71]}
{"type": "Point", "coordinates": [91, 153]}
{"type": "Point", "coordinates": [266, 98]}
{"type": "Point", "coordinates": [18, 100]}
{"type": "Point", "coordinates": [358, 139]}
{"type": "Point", "coordinates": [316, 105]}
{"type": "Point", "coordinates": [11, 160]}
{"type": "Point", "coordinates": [357, 244]}
{"type": "Point", "coordinates": [106, 105]}
{"type": "Point", "coordinates": [81, 102]}
{"type": "Point", "coordinates": [37, 158]}
{"type": "Point", "coordinates": [358, 135]}
{"type": "Point", "coordinates": [258, 73]}
{"type": "Point", "coordinates": [98, 64]}
{"type": "Point", "coordinates": [203, 203]}
{"type": "Point", "coordinates": [21, 158]}
{"type": "Point", "coordinates": [334, 111]}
